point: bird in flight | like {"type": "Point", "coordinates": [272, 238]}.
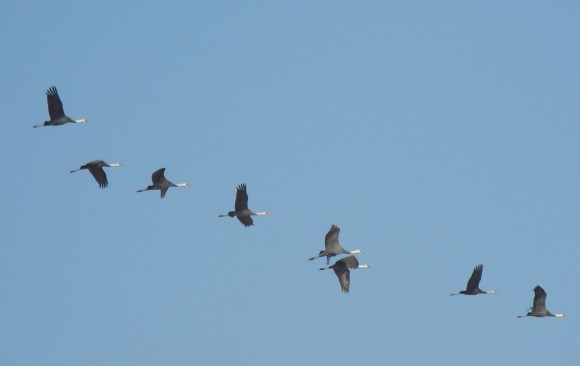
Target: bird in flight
{"type": "Point", "coordinates": [96, 169]}
{"type": "Point", "coordinates": [332, 246]}
{"type": "Point", "coordinates": [56, 111]}
{"type": "Point", "coordinates": [473, 284]}
{"type": "Point", "coordinates": [342, 269]}
{"type": "Point", "coordinates": [241, 210]}
{"type": "Point", "coordinates": [539, 309]}
{"type": "Point", "coordinates": [161, 183]}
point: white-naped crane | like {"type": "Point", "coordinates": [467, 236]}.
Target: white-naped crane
{"type": "Point", "coordinates": [161, 183]}
{"type": "Point", "coordinates": [96, 169]}
{"type": "Point", "coordinates": [473, 284]}
{"type": "Point", "coordinates": [241, 210]}
{"type": "Point", "coordinates": [56, 111]}
{"type": "Point", "coordinates": [332, 246]}
{"type": "Point", "coordinates": [538, 309]}
{"type": "Point", "coordinates": [342, 269]}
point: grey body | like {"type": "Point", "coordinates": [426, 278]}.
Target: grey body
{"type": "Point", "coordinates": [241, 210]}
{"type": "Point", "coordinates": [539, 306]}
{"type": "Point", "coordinates": [332, 245]}
{"type": "Point", "coordinates": [161, 183]}
{"type": "Point", "coordinates": [95, 167]}
{"type": "Point", "coordinates": [342, 269]}
{"type": "Point", "coordinates": [56, 110]}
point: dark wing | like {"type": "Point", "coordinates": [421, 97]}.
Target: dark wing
{"type": "Point", "coordinates": [473, 283]}
{"type": "Point", "coordinates": [539, 300]}
{"type": "Point", "coordinates": [242, 200]}
{"type": "Point", "coordinates": [246, 220]}
{"type": "Point", "coordinates": [55, 109]}
{"type": "Point", "coordinates": [331, 240]}
{"type": "Point", "coordinates": [158, 176]}
{"type": "Point", "coordinates": [163, 191]}
{"type": "Point", "coordinates": [99, 175]}
{"type": "Point", "coordinates": [341, 270]}
{"type": "Point", "coordinates": [350, 261]}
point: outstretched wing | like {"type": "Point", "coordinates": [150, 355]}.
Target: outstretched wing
{"type": "Point", "coordinates": [163, 191]}
{"type": "Point", "coordinates": [539, 300]}
{"type": "Point", "coordinates": [473, 283]}
{"type": "Point", "coordinates": [99, 175]}
{"type": "Point", "coordinates": [158, 176]}
{"type": "Point", "coordinates": [246, 220]}
{"type": "Point", "coordinates": [55, 109]}
{"type": "Point", "coordinates": [341, 270]}
{"type": "Point", "coordinates": [350, 261]}
{"type": "Point", "coordinates": [242, 200]}
{"type": "Point", "coordinates": [331, 239]}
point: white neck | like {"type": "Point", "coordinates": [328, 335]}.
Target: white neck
{"type": "Point", "coordinates": [364, 266]}
{"type": "Point", "coordinates": [83, 120]}
{"type": "Point", "coordinates": [490, 292]}
{"type": "Point", "coordinates": [358, 251]}
{"type": "Point", "coordinates": [182, 185]}
{"type": "Point", "coordinates": [559, 315]}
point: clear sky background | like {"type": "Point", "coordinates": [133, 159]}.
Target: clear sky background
{"type": "Point", "coordinates": [436, 134]}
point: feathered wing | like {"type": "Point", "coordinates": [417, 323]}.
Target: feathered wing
{"type": "Point", "coordinates": [246, 220]}
{"type": "Point", "coordinates": [539, 299]}
{"type": "Point", "coordinates": [158, 176]}
{"type": "Point", "coordinates": [343, 275]}
{"type": "Point", "coordinates": [475, 278]}
{"type": "Point", "coordinates": [241, 203]}
{"type": "Point", "coordinates": [342, 270]}
{"type": "Point", "coordinates": [350, 261]}
{"type": "Point", "coordinates": [331, 239]}
{"type": "Point", "coordinates": [99, 175]}
{"type": "Point", "coordinates": [55, 109]}
{"type": "Point", "coordinates": [163, 191]}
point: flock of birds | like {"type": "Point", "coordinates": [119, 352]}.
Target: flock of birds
{"type": "Point", "coordinates": [241, 211]}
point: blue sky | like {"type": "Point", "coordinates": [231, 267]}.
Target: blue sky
{"type": "Point", "coordinates": [436, 135]}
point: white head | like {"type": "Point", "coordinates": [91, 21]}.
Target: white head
{"type": "Point", "coordinates": [560, 315]}
{"type": "Point", "coordinates": [490, 292]}
{"type": "Point", "coordinates": [82, 120]}
{"type": "Point", "coordinates": [182, 185]}
{"type": "Point", "coordinates": [364, 266]}
{"type": "Point", "coordinates": [262, 213]}
{"type": "Point", "coordinates": [115, 164]}
{"type": "Point", "coordinates": [358, 251]}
